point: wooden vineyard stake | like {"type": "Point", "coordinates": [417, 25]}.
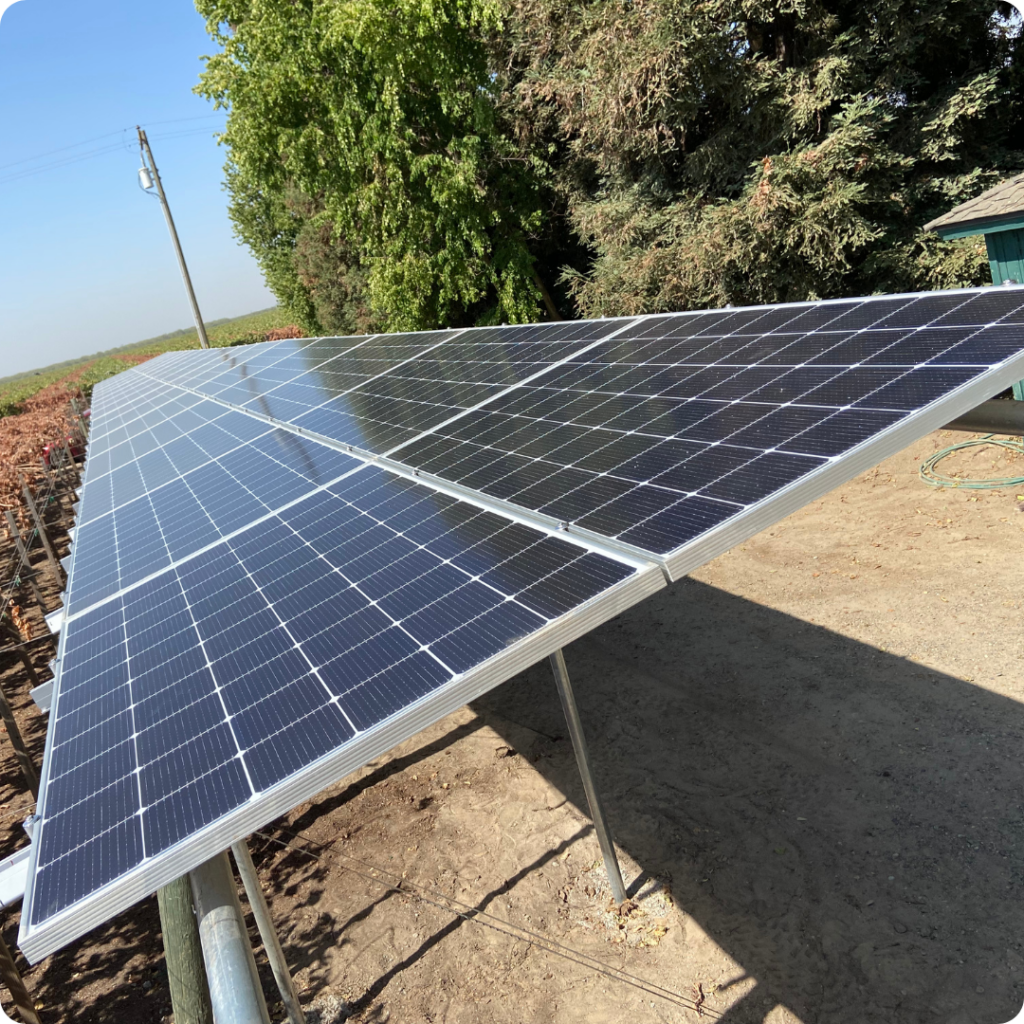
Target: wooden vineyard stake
{"type": "Point", "coordinates": [183, 954]}
{"type": "Point", "coordinates": [29, 575]}
{"type": "Point", "coordinates": [16, 985]}
{"type": "Point", "coordinates": [58, 570]}
{"type": "Point", "coordinates": [28, 767]}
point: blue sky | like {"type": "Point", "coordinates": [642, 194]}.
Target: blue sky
{"type": "Point", "coordinates": [85, 259]}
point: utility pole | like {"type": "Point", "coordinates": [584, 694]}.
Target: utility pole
{"type": "Point", "coordinates": [147, 183]}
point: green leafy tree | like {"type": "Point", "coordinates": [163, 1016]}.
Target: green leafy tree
{"type": "Point", "coordinates": [363, 134]}
{"type": "Point", "coordinates": [425, 163]}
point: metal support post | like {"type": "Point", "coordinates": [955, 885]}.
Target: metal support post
{"type": "Point", "coordinates": [16, 986]}
{"type": "Point", "coordinates": [12, 525]}
{"type": "Point", "coordinates": [183, 954]}
{"type": "Point", "coordinates": [235, 990]}
{"type": "Point", "coordinates": [579, 743]}
{"type": "Point", "coordinates": [265, 923]}
{"type": "Point", "coordinates": [58, 572]}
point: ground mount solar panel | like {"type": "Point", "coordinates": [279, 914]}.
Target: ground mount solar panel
{"type": "Point", "coordinates": [291, 556]}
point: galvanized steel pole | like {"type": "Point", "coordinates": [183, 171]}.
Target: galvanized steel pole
{"type": "Point", "coordinates": [200, 326]}
{"type": "Point", "coordinates": [235, 990]}
{"type": "Point", "coordinates": [579, 743]}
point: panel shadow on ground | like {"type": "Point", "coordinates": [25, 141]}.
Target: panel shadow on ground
{"type": "Point", "coordinates": [844, 823]}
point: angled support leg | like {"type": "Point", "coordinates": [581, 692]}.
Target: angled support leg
{"type": "Point", "coordinates": [579, 743]}
{"type": "Point", "coordinates": [268, 933]}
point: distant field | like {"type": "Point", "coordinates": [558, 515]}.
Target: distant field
{"type": "Point", "coordinates": [90, 370]}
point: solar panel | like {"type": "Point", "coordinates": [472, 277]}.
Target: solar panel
{"type": "Point", "coordinates": [223, 688]}
{"type": "Point", "coordinates": [684, 433]}
{"type": "Point", "coordinates": [291, 557]}
{"type": "Point", "coordinates": [170, 500]}
{"type": "Point", "coordinates": [377, 393]}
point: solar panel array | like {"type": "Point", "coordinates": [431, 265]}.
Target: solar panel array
{"type": "Point", "coordinates": [292, 556]}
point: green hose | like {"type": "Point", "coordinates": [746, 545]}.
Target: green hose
{"type": "Point", "coordinates": [931, 475]}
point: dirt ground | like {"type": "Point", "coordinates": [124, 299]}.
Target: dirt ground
{"type": "Point", "coordinates": [810, 753]}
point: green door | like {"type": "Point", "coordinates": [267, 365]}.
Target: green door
{"type": "Point", "coordinates": [1006, 261]}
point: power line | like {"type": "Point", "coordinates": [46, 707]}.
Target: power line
{"type": "Point", "coordinates": [30, 171]}
{"type": "Point", "coordinates": [62, 149]}
{"type": "Point", "coordinates": [72, 158]}
{"type": "Point", "coordinates": [86, 142]}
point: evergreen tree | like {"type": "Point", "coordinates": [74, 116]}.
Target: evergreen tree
{"type": "Point", "coordinates": [751, 151]}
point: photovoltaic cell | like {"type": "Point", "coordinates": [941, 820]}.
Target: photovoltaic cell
{"type": "Point", "coordinates": [175, 499]}
{"type": "Point", "coordinates": [682, 423]}
{"type": "Point", "coordinates": [388, 389]}
{"type": "Point", "coordinates": [199, 692]}
{"type": "Point", "coordinates": [254, 609]}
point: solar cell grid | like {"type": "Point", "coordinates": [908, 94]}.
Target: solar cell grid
{"type": "Point", "coordinates": [119, 414]}
{"type": "Point", "coordinates": [354, 358]}
{"type": "Point", "coordinates": [141, 462]}
{"type": "Point", "coordinates": [178, 367]}
{"type": "Point", "coordinates": [228, 674]}
{"type": "Point", "coordinates": [174, 500]}
{"type": "Point", "coordinates": [308, 374]}
{"type": "Point", "coordinates": [387, 389]}
{"type": "Point", "coordinates": [683, 422]}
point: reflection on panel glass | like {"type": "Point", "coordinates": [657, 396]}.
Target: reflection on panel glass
{"type": "Point", "coordinates": [192, 694]}
{"type": "Point", "coordinates": [681, 422]}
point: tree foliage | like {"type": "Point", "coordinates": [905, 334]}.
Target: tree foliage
{"type": "Point", "coordinates": [419, 163]}
{"type": "Point", "coordinates": [767, 149]}
{"type": "Point", "coordinates": [367, 128]}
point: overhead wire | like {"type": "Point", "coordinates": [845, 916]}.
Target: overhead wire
{"type": "Point", "coordinates": [110, 147]}
{"type": "Point", "coordinates": [64, 162]}
{"type": "Point", "coordinates": [107, 135]}
{"type": "Point", "coordinates": [61, 149]}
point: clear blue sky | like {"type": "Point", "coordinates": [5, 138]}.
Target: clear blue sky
{"type": "Point", "coordinates": [85, 258]}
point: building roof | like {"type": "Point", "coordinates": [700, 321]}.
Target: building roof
{"type": "Point", "coordinates": [1005, 202]}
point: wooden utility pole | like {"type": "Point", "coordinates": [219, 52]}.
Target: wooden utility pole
{"type": "Point", "coordinates": [183, 954]}
{"type": "Point", "coordinates": [148, 153]}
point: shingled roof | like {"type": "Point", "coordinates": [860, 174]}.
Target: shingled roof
{"type": "Point", "coordinates": [1004, 202]}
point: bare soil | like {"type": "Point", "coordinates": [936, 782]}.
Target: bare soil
{"type": "Point", "coordinates": [810, 753]}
